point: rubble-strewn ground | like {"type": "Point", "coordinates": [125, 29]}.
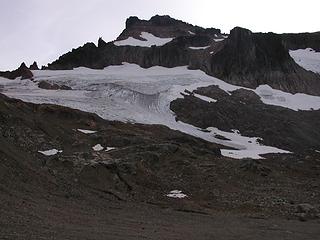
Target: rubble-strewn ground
{"type": "Point", "coordinates": [81, 193]}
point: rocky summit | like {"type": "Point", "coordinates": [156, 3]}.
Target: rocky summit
{"type": "Point", "coordinates": [170, 131]}
{"type": "Point", "coordinates": [241, 57]}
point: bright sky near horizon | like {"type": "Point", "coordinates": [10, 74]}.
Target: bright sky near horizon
{"type": "Point", "coordinates": [43, 30]}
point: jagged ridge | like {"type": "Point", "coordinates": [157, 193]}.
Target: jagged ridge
{"type": "Point", "coordinates": [245, 58]}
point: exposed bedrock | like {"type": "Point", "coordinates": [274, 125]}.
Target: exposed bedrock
{"type": "Point", "coordinates": [22, 72]}
{"type": "Point", "coordinates": [243, 110]}
{"type": "Point", "coordinates": [251, 59]}
{"type": "Point", "coordinates": [295, 41]}
{"type": "Point", "coordinates": [164, 27]}
{"type": "Point", "coordinates": [244, 58]}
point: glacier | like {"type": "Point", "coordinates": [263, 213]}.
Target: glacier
{"type": "Point", "coordinates": [133, 94]}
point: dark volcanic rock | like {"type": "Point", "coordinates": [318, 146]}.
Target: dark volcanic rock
{"type": "Point", "coordinates": [101, 43]}
{"type": "Point", "coordinates": [175, 53]}
{"type": "Point", "coordinates": [22, 72]}
{"type": "Point", "coordinates": [34, 66]}
{"type": "Point", "coordinates": [245, 58]}
{"type": "Point", "coordinates": [296, 131]}
{"type": "Point", "coordinates": [49, 86]}
{"type": "Point", "coordinates": [251, 59]}
{"type": "Point", "coordinates": [295, 41]}
{"type": "Point", "coordinates": [86, 56]}
{"type": "Point", "coordinates": [130, 183]}
{"type": "Point", "coordinates": [163, 26]}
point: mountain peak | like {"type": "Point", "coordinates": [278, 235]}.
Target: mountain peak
{"type": "Point", "coordinates": [163, 26]}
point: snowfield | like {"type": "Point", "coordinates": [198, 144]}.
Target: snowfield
{"type": "Point", "coordinates": [149, 41]}
{"type": "Point", "coordinates": [130, 93]}
{"type": "Point", "coordinates": [307, 58]}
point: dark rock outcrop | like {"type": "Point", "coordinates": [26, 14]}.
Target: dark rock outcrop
{"type": "Point", "coordinates": [295, 41]}
{"type": "Point", "coordinates": [22, 72]}
{"type": "Point", "coordinates": [101, 43]}
{"type": "Point", "coordinates": [34, 66]}
{"type": "Point", "coordinates": [243, 110]}
{"type": "Point", "coordinates": [49, 86]}
{"type": "Point", "coordinates": [244, 58]}
{"type": "Point", "coordinates": [86, 56]}
{"type": "Point", "coordinates": [251, 59]}
{"type": "Point", "coordinates": [164, 27]}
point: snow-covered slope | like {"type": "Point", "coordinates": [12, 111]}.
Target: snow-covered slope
{"type": "Point", "coordinates": [149, 41]}
{"type": "Point", "coordinates": [134, 94]}
{"type": "Point", "coordinates": [307, 58]}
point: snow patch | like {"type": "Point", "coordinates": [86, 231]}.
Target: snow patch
{"type": "Point", "coordinates": [192, 33]}
{"type": "Point", "coordinates": [109, 149]}
{"type": "Point", "coordinates": [247, 147]}
{"type": "Point", "coordinates": [199, 48]}
{"type": "Point", "coordinates": [204, 98]}
{"type": "Point", "coordinates": [150, 40]}
{"type": "Point", "coordinates": [307, 58]}
{"type": "Point", "coordinates": [298, 101]}
{"type": "Point", "coordinates": [97, 148]}
{"type": "Point", "coordinates": [50, 152]}
{"type": "Point", "coordinates": [176, 194]}
{"type": "Point", "coordinates": [85, 131]}
{"type": "Point", "coordinates": [218, 39]}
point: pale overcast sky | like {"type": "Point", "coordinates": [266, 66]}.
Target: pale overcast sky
{"type": "Point", "coordinates": [42, 30]}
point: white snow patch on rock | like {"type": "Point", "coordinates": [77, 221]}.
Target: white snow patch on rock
{"type": "Point", "coordinates": [192, 33]}
{"type": "Point", "coordinates": [307, 58]}
{"type": "Point", "coordinates": [85, 131]}
{"type": "Point", "coordinates": [176, 194]}
{"type": "Point", "coordinates": [97, 148]}
{"type": "Point", "coordinates": [109, 149]}
{"type": "Point", "coordinates": [218, 39]}
{"type": "Point", "coordinates": [199, 48]}
{"type": "Point", "coordinates": [246, 147]}
{"type": "Point", "coordinates": [50, 152]}
{"type": "Point", "coordinates": [150, 40]}
{"type": "Point", "coordinates": [204, 98]}
{"type": "Point", "coordinates": [298, 101]}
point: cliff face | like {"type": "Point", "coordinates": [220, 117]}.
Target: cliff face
{"type": "Point", "coordinates": [295, 41]}
{"type": "Point", "coordinates": [244, 58]}
{"type": "Point", "coordinates": [251, 59]}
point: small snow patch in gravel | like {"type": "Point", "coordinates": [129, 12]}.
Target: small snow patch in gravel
{"type": "Point", "coordinates": [85, 131]}
{"type": "Point", "coordinates": [50, 152]}
{"type": "Point", "coordinates": [176, 194]}
{"type": "Point", "coordinates": [109, 149]}
{"type": "Point", "coordinates": [97, 148]}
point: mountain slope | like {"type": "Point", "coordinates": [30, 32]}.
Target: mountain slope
{"type": "Point", "coordinates": [244, 58]}
{"type": "Point", "coordinates": [56, 196]}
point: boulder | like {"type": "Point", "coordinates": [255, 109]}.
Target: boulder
{"type": "Point", "coordinates": [49, 86]}
{"type": "Point", "coordinates": [306, 211]}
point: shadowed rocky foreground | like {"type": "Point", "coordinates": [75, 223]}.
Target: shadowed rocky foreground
{"type": "Point", "coordinates": [81, 193]}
